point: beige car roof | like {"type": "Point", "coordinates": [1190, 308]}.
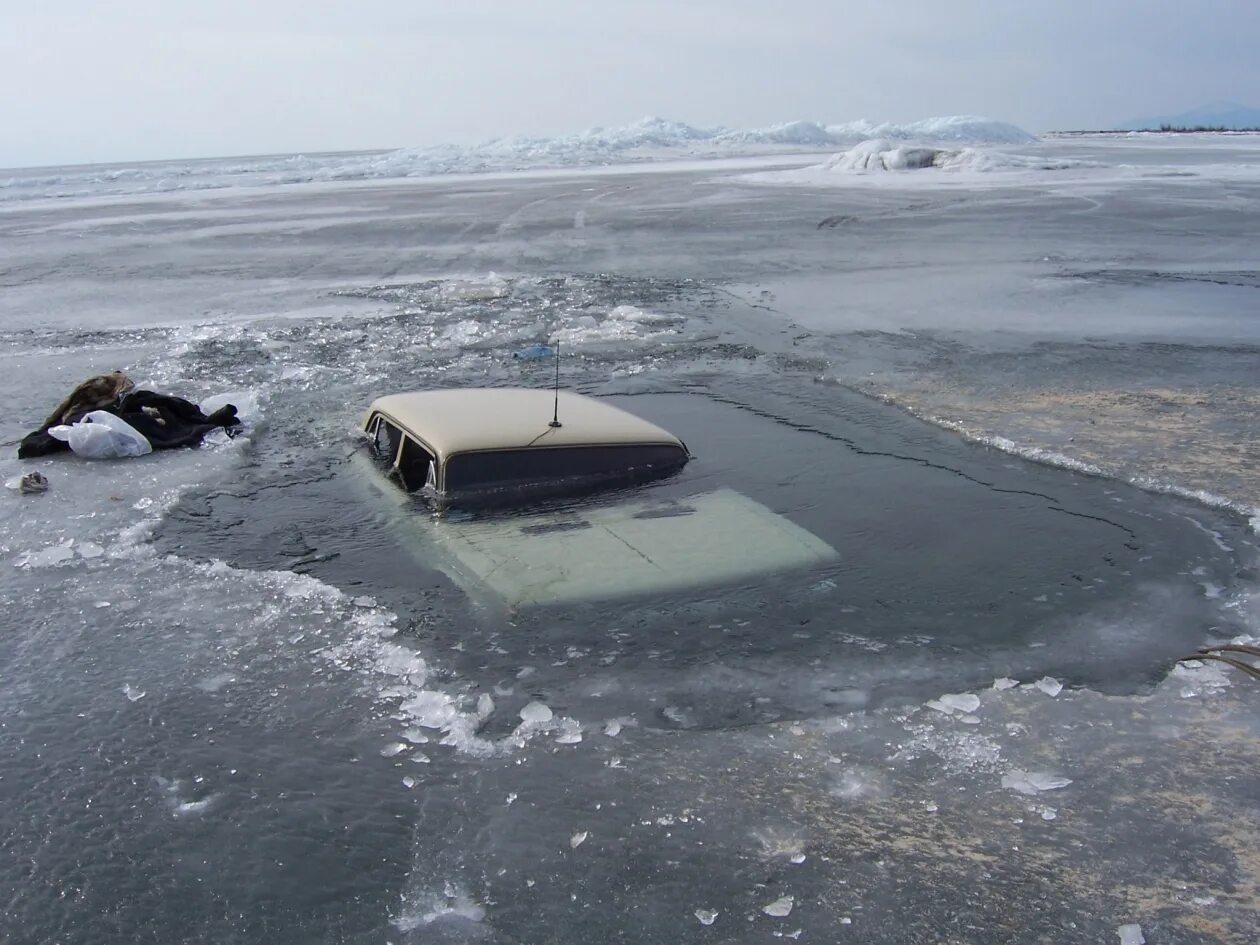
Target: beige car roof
{"type": "Point", "coordinates": [474, 419]}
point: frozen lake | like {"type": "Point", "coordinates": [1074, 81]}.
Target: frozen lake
{"type": "Point", "coordinates": [236, 705]}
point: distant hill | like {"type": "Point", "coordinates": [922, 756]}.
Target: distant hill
{"type": "Point", "coordinates": [1228, 115]}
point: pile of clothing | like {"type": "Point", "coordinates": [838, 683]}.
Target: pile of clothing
{"type": "Point", "coordinates": [163, 421]}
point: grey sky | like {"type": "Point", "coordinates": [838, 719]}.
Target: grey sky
{"type": "Point", "coordinates": [132, 79]}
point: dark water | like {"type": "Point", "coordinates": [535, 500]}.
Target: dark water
{"type": "Point", "coordinates": [955, 564]}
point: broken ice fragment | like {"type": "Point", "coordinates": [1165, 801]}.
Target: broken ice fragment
{"type": "Point", "coordinates": [797, 858]}
{"type": "Point", "coordinates": [485, 706]}
{"type": "Point", "coordinates": [780, 908]}
{"type": "Point", "coordinates": [1131, 934]}
{"type": "Point", "coordinates": [706, 916]}
{"type": "Point", "coordinates": [397, 748]}
{"type": "Point", "coordinates": [577, 840]}
{"type": "Point", "coordinates": [1049, 685]}
{"type": "Point", "coordinates": [960, 701]}
{"type": "Point", "coordinates": [409, 782]}
{"type": "Point", "coordinates": [1033, 782]}
{"type": "Point", "coordinates": [535, 712]}
{"type": "Point", "coordinates": [1005, 682]}
{"type": "Point", "coordinates": [134, 695]}
{"type": "Point", "coordinates": [612, 728]}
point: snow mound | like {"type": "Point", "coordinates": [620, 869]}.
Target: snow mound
{"type": "Point", "coordinates": [882, 154]}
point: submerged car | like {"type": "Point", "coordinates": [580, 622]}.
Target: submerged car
{"type": "Point", "coordinates": [455, 448]}
{"type": "Point", "coordinates": [471, 442]}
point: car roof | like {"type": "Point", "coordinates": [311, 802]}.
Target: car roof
{"type": "Point", "coordinates": [477, 419]}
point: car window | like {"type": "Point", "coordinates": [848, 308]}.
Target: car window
{"type": "Point", "coordinates": [415, 465]}
{"type": "Point", "coordinates": [504, 467]}
{"type": "Point", "coordinates": [385, 439]}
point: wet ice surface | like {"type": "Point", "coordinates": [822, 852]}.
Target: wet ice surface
{"type": "Point", "coordinates": [234, 706]}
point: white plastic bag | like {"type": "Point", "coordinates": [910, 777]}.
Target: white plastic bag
{"type": "Point", "coordinates": [101, 435]}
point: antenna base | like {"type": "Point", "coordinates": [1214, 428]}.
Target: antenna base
{"type": "Point", "coordinates": [555, 423]}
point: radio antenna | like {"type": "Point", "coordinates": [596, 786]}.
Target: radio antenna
{"type": "Point", "coordinates": [555, 414]}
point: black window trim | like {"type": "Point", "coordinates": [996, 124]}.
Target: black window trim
{"type": "Point", "coordinates": [683, 456]}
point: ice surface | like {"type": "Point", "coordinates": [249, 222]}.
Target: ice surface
{"type": "Point", "coordinates": [244, 626]}
{"type": "Point", "coordinates": [1033, 782]}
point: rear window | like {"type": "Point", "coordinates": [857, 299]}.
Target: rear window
{"type": "Point", "coordinates": [507, 467]}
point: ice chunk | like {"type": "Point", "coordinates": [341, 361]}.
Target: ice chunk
{"type": "Point", "coordinates": [50, 557]}
{"type": "Point", "coordinates": [578, 839]}
{"type": "Point", "coordinates": [1033, 782]}
{"type": "Point", "coordinates": [780, 908]}
{"type": "Point", "coordinates": [1005, 682]}
{"type": "Point", "coordinates": [1049, 685]}
{"type": "Point", "coordinates": [953, 702]}
{"type": "Point", "coordinates": [133, 694]}
{"type": "Point", "coordinates": [570, 732]}
{"type": "Point", "coordinates": [536, 712]}
{"type": "Point", "coordinates": [706, 916]}
{"type": "Point", "coordinates": [1131, 934]}
{"type": "Point", "coordinates": [90, 549]}
{"type": "Point", "coordinates": [396, 748]}
{"type": "Point", "coordinates": [485, 706]}
{"type": "Point", "coordinates": [431, 709]}
{"type": "Point", "coordinates": [409, 782]}
{"type": "Point", "coordinates": [612, 728]}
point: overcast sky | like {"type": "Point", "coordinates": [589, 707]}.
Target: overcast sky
{"type": "Point", "coordinates": [133, 79]}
